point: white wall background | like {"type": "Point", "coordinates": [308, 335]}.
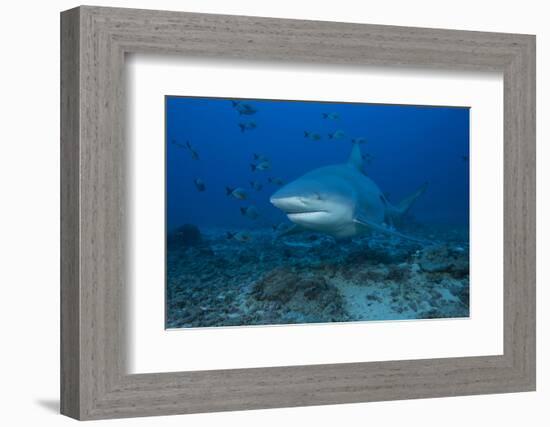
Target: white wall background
{"type": "Point", "coordinates": [29, 212]}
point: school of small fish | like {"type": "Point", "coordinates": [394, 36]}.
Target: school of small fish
{"type": "Point", "coordinates": [261, 163]}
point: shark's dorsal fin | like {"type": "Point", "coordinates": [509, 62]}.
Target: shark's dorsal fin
{"type": "Point", "coordinates": [355, 158]}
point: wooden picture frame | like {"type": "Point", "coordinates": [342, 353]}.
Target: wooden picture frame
{"type": "Point", "coordinates": [94, 382]}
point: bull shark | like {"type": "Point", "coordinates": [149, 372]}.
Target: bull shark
{"type": "Point", "coordinates": [341, 201]}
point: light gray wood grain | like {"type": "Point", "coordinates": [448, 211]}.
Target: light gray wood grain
{"type": "Point", "coordinates": [94, 380]}
{"type": "Point", "coordinates": [70, 332]}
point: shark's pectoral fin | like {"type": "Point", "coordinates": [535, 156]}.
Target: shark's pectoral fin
{"type": "Point", "coordinates": [293, 229]}
{"type": "Point", "coordinates": [364, 222]}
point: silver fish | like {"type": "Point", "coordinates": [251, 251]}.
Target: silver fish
{"type": "Point", "coordinates": [199, 183]}
{"type": "Point", "coordinates": [339, 134]}
{"type": "Point", "coordinates": [239, 236]}
{"type": "Point", "coordinates": [262, 166]}
{"type": "Point", "coordinates": [247, 126]}
{"type": "Point", "coordinates": [312, 135]}
{"type": "Point", "coordinates": [244, 109]}
{"type": "Point", "coordinates": [250, 211]}
{"type": "Point", "coordinates": [194, 153]}
{"type": "Point", "coordinates": [238, 193]}
{"type": "Point", "coordinates": [331, 116]}
{"type": "Point", "coordinates": [177, 144]}
{"type": "Point", "coordinates": [282, 227]}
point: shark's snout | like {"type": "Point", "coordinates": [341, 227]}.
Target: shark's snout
{"type": "Point", "coordinates": [282, 198]}
{"type": "Point", "coordinates": [287, 203]}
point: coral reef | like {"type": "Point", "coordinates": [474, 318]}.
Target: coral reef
{"type": "Point", "coordinates": [186, 235]}
{"type": "Point", "coordinates": [444, 258]}
{"type": "Point", "coordinates": [308, 278]}
{"type": "Point", "coordinates": [297, 298]}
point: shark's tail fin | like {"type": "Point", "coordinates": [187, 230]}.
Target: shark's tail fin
{"type": "Point", "coordinates": [404, 205]}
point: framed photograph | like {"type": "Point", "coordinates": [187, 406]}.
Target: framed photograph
{"type": "Point", "coordinates": [262, 213]}
{"type": "Point", "coordinates": [294, 237]}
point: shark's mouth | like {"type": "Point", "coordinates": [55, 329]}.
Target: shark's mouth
{"type": "Point", "coordinates": [304, 215]}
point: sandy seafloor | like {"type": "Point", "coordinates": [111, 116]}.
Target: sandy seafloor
{"type": "Point", "coordinates": [310, 278]}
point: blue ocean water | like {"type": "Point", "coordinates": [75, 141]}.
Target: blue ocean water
{"type": "Point", "coordinates": [213, 144]}
{"type": "Point", "coordinates": [409, 145]}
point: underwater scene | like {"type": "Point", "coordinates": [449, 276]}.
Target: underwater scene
{"type": "Point", "coordinates": [288, 212]}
